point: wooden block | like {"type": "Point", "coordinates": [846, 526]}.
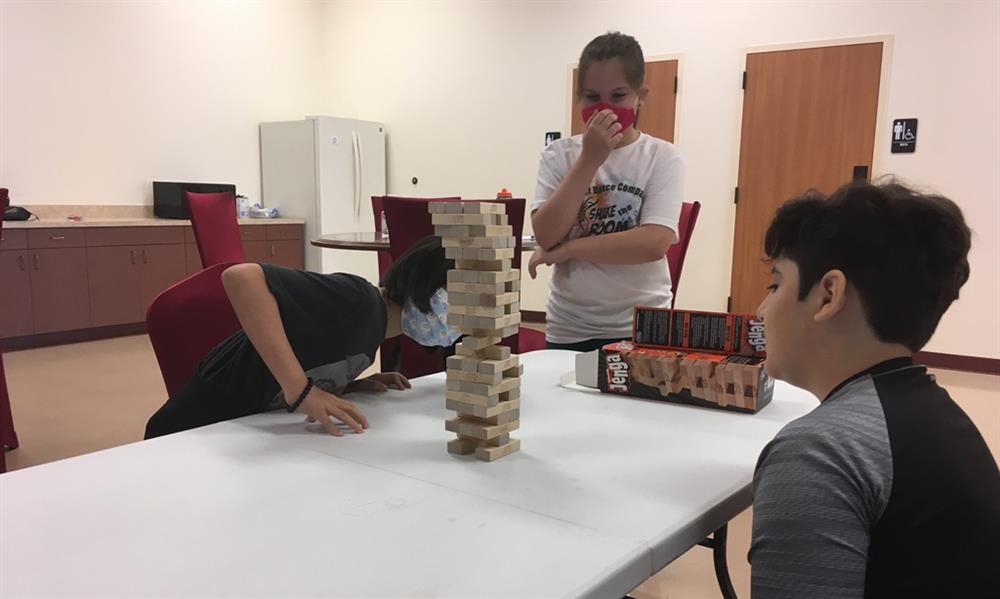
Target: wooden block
{"type": "Point", "coordinates": [463, 276]}
{"type": "Point", "coordinates": [437, 207]}
{"type": "Point", "coordinates": [511, 286]}
{"type": "Point", "coordinates": [509, 396]}
{"type": "Point", "coordinates": [514, 371]}
{"type": "Point", "coordinates": [479, 430]}
{"type": "Point", "coordinates": [478, 242]}
{"type": "Point", "coordinates": [482, 299]}
{"type": "Point", "coordinates": [492, 352]}
{"type": "Point", "coordinates": [453, 207]}
{"type": "Point", "coordinates": [472, 398]}
{"type": "Point", "coordinates": [483, 322]}
{"type": "Point", "coordinates": [514, 308]}
{"type": "Point", "coordinates": [481, 411]}
{"type": "Point", "coordinates": [480, 342]}
{"type": "Point", "coordinates": [706, 377]}
{"type": "Point", "coordinates": [462, 446]}
{"type": "Point", "coordinates": [489, 390]}
{"type": "Point", "coordinates": [494, 277]}
{"type": "Point", "coordinates": [489, 366]}
{"type": "Point", "coordinates": [476, 288]}
{"type": "Point", "coordinates": [493, 254]}
{"type": "Point", "coordinates": [490, 231]}
{"type": "Point", "coordinates": [468, 219]}
{"type": "Point", "coordinates": [497, 441]}
{"type": "Point", "coordinates": [483, 208]}
{"type": "Point", "coordinates": [485, 311]}
{"type": "Point", "coordinates": [475, 377]}
{"type": "Point", "coordinates": [473, 264]}
{"type": "Point", "coordinates": [489, 454]}
{"type": "Point", "coordinates": [451, 231]}
{"type": "Point", "coordinates": [463, 363]}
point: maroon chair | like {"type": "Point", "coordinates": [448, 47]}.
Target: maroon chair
{"type": "Point", "coordinates": [389, 349]}
{"type": "Point", "coordinates": [677, 252]}
{"type": "Point", "coordinates": [213, 216]}
{"type": "Point", "coordinates": [8, 437]}
{"type": "Point", "coordinates": [409, 222]}
{"type": "Point", "coordinates": [188, 319]}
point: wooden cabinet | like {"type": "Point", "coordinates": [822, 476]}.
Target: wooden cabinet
{"type": "Point", "coordinates": [113, 285]}
{"type": "Point", "coordinates": [162, 266]}
{"type": "Point", "coordinates": [59, 295]}
{"type": "Point", "coordinates": [125, 279]}
{"type": "Point", "coordinates": [71, 278]}
{"type": "Point", "coordinates": [15, 294]}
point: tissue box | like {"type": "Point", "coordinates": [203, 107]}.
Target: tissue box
{"type": "Point", "coordinates": [734, 382]}
{"type": "Point", "coordinates": [687, 330]}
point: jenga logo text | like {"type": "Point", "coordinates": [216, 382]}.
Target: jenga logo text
{"type": "Point", "coordinates": [756, 335]}
{"type": "Point", "coordinates": [617, 373]}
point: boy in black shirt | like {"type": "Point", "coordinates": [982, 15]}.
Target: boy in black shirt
{"type": "Point", "coordinates": [886, 489]}
{"type": "Point", "coordinates": [308, 334]}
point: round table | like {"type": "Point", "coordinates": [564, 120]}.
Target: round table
{"type": "Point", "coordinates": [374, 242]}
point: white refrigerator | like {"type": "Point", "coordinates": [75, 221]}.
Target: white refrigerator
{"type": "Point", "coordinates": [325, 170]}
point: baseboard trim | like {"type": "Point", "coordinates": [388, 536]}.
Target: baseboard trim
{"type": "Point", "coordinates": [533, 316]}
{"type": "Point", "coordinates": [77, 336]}
{"type": "Point", "coordinates": [956, 362]}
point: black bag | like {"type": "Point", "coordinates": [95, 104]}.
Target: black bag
{"type": "Point", "coordinates": [13, 213]}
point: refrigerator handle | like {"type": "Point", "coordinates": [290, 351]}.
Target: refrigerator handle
{"type": "Point", "coordinates": [357, 175]}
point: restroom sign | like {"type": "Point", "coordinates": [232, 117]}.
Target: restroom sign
{"type": "Point", "coordinates": [904, 136]}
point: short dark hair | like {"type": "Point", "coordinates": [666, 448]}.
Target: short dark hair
{"type": "Point", "coordinates": [905, 252]}
{"type": "Point", "coordinates": [418, 274]}
{"type": "Point", "coordinates": [613, 45]}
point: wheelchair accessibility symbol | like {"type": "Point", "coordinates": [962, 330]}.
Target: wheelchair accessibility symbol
{"type": "Point", "coordinates": [904, 135]}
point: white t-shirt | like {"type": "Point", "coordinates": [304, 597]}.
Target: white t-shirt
{"type": "Point", "coordinates": [639, 184]}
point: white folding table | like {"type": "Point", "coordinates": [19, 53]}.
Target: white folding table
{"type": "Point", "coordinates": [605, 491]}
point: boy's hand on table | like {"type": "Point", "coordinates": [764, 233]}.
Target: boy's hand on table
{"type": "Point", "coordinates": [321, 406]}
{"type": "Point", "coordinates": [379, 383]}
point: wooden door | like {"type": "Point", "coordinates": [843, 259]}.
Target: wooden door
{"type": "Point", "coordinates": [808, 120]}
{"type": "Point", "coordinates": [59, 289]}
{"type": "Point", "coordinates": [15, 294]}
{"type": "Point", "coordinates": [162, 266]}
{"type": "Point", "coordinates": [656, 117]}
{"type": "Point", "coordinates": [113, 274]}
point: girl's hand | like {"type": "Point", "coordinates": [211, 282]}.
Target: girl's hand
{"type": "Point", "coordinates": [379, 383]}
{"type": "Point", "coordinates": [321, 406]}
{"type": "Point", "coordinates": [603, 133]}
{"type": "Point", "coordinates": [556, 255]}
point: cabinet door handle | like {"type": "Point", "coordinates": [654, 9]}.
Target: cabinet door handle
{"type": "Point", "coordinates": [57, 237]}
{"type": "Point", "coordinates": [38, 264]}
{"type": "Point", "coordinates": [272, 250]}
{"type": "Point", "coordinates": [145, 258]}
{"type": "Point", "coordinates": [20, 261]}
{"type": "Point", "coordinates": [132, 256]}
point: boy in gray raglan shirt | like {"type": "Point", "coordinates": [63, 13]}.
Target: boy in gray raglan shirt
{"type": "Point", "coordinates": [886, 489]}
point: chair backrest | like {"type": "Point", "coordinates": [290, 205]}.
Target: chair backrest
{"type": "Point", "coordinates": [677, 252]}
{"type": "Point", "coordinates": [378, 202]}
{"type": "Point", "coordinates": [188, 319]}
{"type": "Point", "coordinates": [216, 230]}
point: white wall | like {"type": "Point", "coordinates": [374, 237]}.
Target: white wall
{"type": "Point", "coordinates": [468, 90]}
{"type": "Point", "coordinates": [101, 98]}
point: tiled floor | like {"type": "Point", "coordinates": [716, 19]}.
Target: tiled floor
{"type": "Point", "coordinates": [75, 399]}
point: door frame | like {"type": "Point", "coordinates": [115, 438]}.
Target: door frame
{"type": "Point", "coordinates": [678, 56]}
{"type": "Point", "coordinates": [881, 111]}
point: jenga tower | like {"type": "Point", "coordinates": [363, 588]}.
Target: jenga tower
{"type": "Point", "coordinates": [484, 379]}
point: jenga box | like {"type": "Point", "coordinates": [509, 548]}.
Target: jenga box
{"type": "Point", "coordinates": [686, 330]}
{"type": "Point", "coordinates": [734, 382]}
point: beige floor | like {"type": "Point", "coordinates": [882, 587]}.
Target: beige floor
{"type": "Point", "coordinates": [75, 399]}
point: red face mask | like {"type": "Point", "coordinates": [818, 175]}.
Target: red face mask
{"type": "Point", "coordinates": [626, 116]}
